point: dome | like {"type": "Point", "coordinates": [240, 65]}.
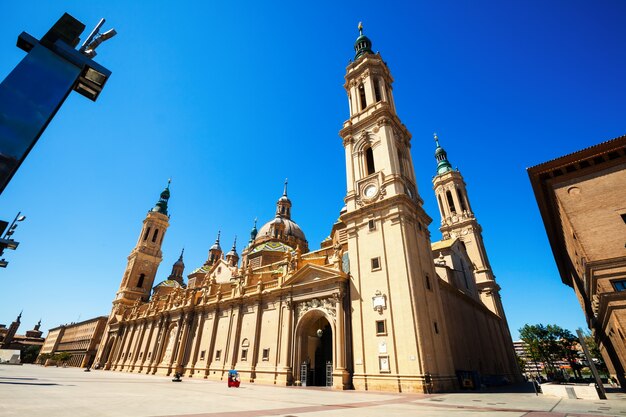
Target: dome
{"type": "Point", "coordinates": [291, 229]}
{"type": "Point", "coordinates": [363, 44]}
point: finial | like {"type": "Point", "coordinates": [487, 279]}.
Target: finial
{"type": "Point", "coordinates": [255, 219]}
{"type": "Point", "coordinates": [169, 181]}
{"type": "Point", "coordinates": [360, 28]}
{"type": "Point", "coordinates": [235, 243]}
{"type": "Point", "coordinates": [218, 236]}
{"type": "Point", "coordinates": [436, 138]}
{"type": "Point", "coordinates": [285, 191]}
{"type": "Point", "coordinates": [180, 258]}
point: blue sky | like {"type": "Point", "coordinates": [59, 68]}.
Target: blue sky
{"type": "Point", "coordinates": [229, 98]}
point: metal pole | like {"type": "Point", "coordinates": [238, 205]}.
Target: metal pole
{"type": "Point", "coordinates": [592, 366]}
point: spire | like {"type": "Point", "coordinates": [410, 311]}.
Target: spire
{"type": "Point", "coordinates": [216, 245]}
{"type": "Point", "coordinates": [443, 165]}
{"type": "Point", "coordinates": [232, 257]}
{"type": "Point", "coordinates": [362, 45]}
{"type": "Point", "coordinates": [19, 317]}
{"type": "Point", "coordinates": [177, 269]}
{"type": "Point", "coordinates": [253, 232]}
{"type": "Point", "coordinates": [283, 206]}
{"type": "Point", "coordinates": [161, 205]}
{"type": "Point", "coordinates": [215, 252]}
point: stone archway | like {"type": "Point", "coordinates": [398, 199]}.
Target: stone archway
{"type": "Point", "coordinates": [314, 347]}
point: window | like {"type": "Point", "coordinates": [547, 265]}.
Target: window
{"type": "Point", "coordinates": [154, 236]}
{"type": "Point", "coordinates": [400, 162]}
{"type": "Point", "coordinates": [623, 217]}
{"type": "Point", "coordinates": [266, 354]}
{"type": "Point", "coordinates": [450, 202]}
{"type": "Point", "coordinates": [140, 355]}
{"type": "Point", "coordinates": [218, 355]}
{"type": "Point", "coordinates": [149, 355]}
{"type": "Point", "coordinates": [140, 280]}
{"type": "Point", "coordinates": [380, 327]}
{"type": "Point", "coordinates": [244, 354]}
{"type": "Point", "coordinates": [375, 264]}
{"type": "Point", "coordinates": [441, 207]}
{"type": "Point", "coordinates": [377, 90]}
{"type": "Point", "coordinates": [436, 328]}
{"type": "Point", "coordinates": [145, 236]}
{"type": "Point", "coordinates": [620, 284]}
{"type": "Point", "coordinates": [202, 354]}
{"type": "Point", "coordinates": [461, 200]}
{"type": "Point", "coordinates": [371, 224]}
{"type": "Point", "coordinates": [428, 282]}
{"type": "Point", "coordinates": [362, 97]}
{"type": "Point", "coordinates": [369, 161]}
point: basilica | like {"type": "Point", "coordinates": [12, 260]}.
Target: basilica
{"type": "Point", "coordinates": [377, 307]}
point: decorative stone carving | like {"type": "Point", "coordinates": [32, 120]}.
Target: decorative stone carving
{"type": "Point", "coordinates": [325, 304]}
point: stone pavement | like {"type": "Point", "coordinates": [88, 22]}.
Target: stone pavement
{"type": "Point", "coordinates": [31, 390]}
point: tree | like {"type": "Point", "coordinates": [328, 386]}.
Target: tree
{"type": "Point", "coordinates": [29, 354]}
{"type": "Point", "coordinates": [62, 357]}
{"type": "Point", "coordinates": [594, 351]}
{"type": "Point", "coordinates": [549, 344]}
{"type": "Point", "coordinates": [44, 357]}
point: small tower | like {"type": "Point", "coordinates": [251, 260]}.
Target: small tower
{"type": "Point", "coordinates": [146, 256]}
{"type": "Point", "coordinates": [8, 338]}
{"type": "Point", "coordinates": [215, 252]}
{"type": "Point", "coordinates": [231, 257]}
{"type": "Point", "coordinates": [283, 205]}
{"type": "Point", "coordinates": [177, 270]}
{"type": "Point", "coordinates": [458, 222]}
{"type": "Point", "coordinates": [253, 233]}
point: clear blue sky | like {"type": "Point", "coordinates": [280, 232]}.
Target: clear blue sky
{"type": "Point", "coordinates": [229, 98]}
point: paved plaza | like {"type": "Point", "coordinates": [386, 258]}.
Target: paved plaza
{"type": "Point", "coordinates": [32, 390]}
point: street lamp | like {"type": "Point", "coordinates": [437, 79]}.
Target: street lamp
{"type": "Point", "coordinates": [6, 242]}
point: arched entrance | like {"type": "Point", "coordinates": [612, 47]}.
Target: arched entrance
{"type": "Point", "coordinates": [314, 350]}
{"type": "Point", "coordinates": [104, 359]}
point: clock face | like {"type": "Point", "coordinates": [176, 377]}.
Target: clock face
{"type": "Point", "coordinates": [370, 191]}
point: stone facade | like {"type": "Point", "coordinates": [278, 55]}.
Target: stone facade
{"type": "Point", "coordinates": [369, 310]}
{"type": "Point", "coordinates": [80, 339]}
{"type": "Point", "coordinates": [582, 200]}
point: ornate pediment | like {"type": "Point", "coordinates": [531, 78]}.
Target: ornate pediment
{"type": "Point", "coordinates": [314, 273]}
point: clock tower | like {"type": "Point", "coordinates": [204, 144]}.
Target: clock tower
{"type": "Point", "coordinates": [399, 335]}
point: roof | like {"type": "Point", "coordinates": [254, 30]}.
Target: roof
{"type": "Point", "coordinates": [442, 244]}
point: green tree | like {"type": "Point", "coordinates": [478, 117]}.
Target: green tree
{"type": "Point", "coordinates": [549, 344]}
{"type": "Point", "coordinates": [44, 357]}
{"type": "Point", "coordinates": [29, 354]}
{"type": "Point", "coordinates": [61, 357]}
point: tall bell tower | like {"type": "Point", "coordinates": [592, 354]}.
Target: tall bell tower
{"type": "Point", "coordinates": [399, 337]}
{"type": "Point", "coordinates": [146, 256]}
{"type": "Point", "coordinates": [458, 222]}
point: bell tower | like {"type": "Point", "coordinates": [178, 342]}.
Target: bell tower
{"type": "Point", "coordinates": [398, 330]}
{"type": "Point", "coordinates": [458, 222]}
{"type": "Point", "coordinates": [146, 256]}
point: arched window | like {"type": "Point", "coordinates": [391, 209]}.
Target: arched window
{"type": "Point", "coordinates": [377, 90]}
{"type": "Point", "coordinates": [443, 214]}
{"type": "Point", "coordinates": [401, 162]}
{"type": "Point", "coordinates": [362, 96]}
{"type": "Point", "coordinates": [369, 161]}
{"type": "Point", "coordinates": [154, 236]}
{"type": "Point", "coordinates": [461, 200]}
{"type": "Point", "coordinates": [450, 202]}
{"type": "Point", "coordinates": [145, 236]}
{"type": "Point", "coordinates": [140, 280]}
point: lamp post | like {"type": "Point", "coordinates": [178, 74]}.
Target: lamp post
{"type": "Point", "coordinates": [7, 242]}
{"type": "Point", "coordinates": [34, 91]}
